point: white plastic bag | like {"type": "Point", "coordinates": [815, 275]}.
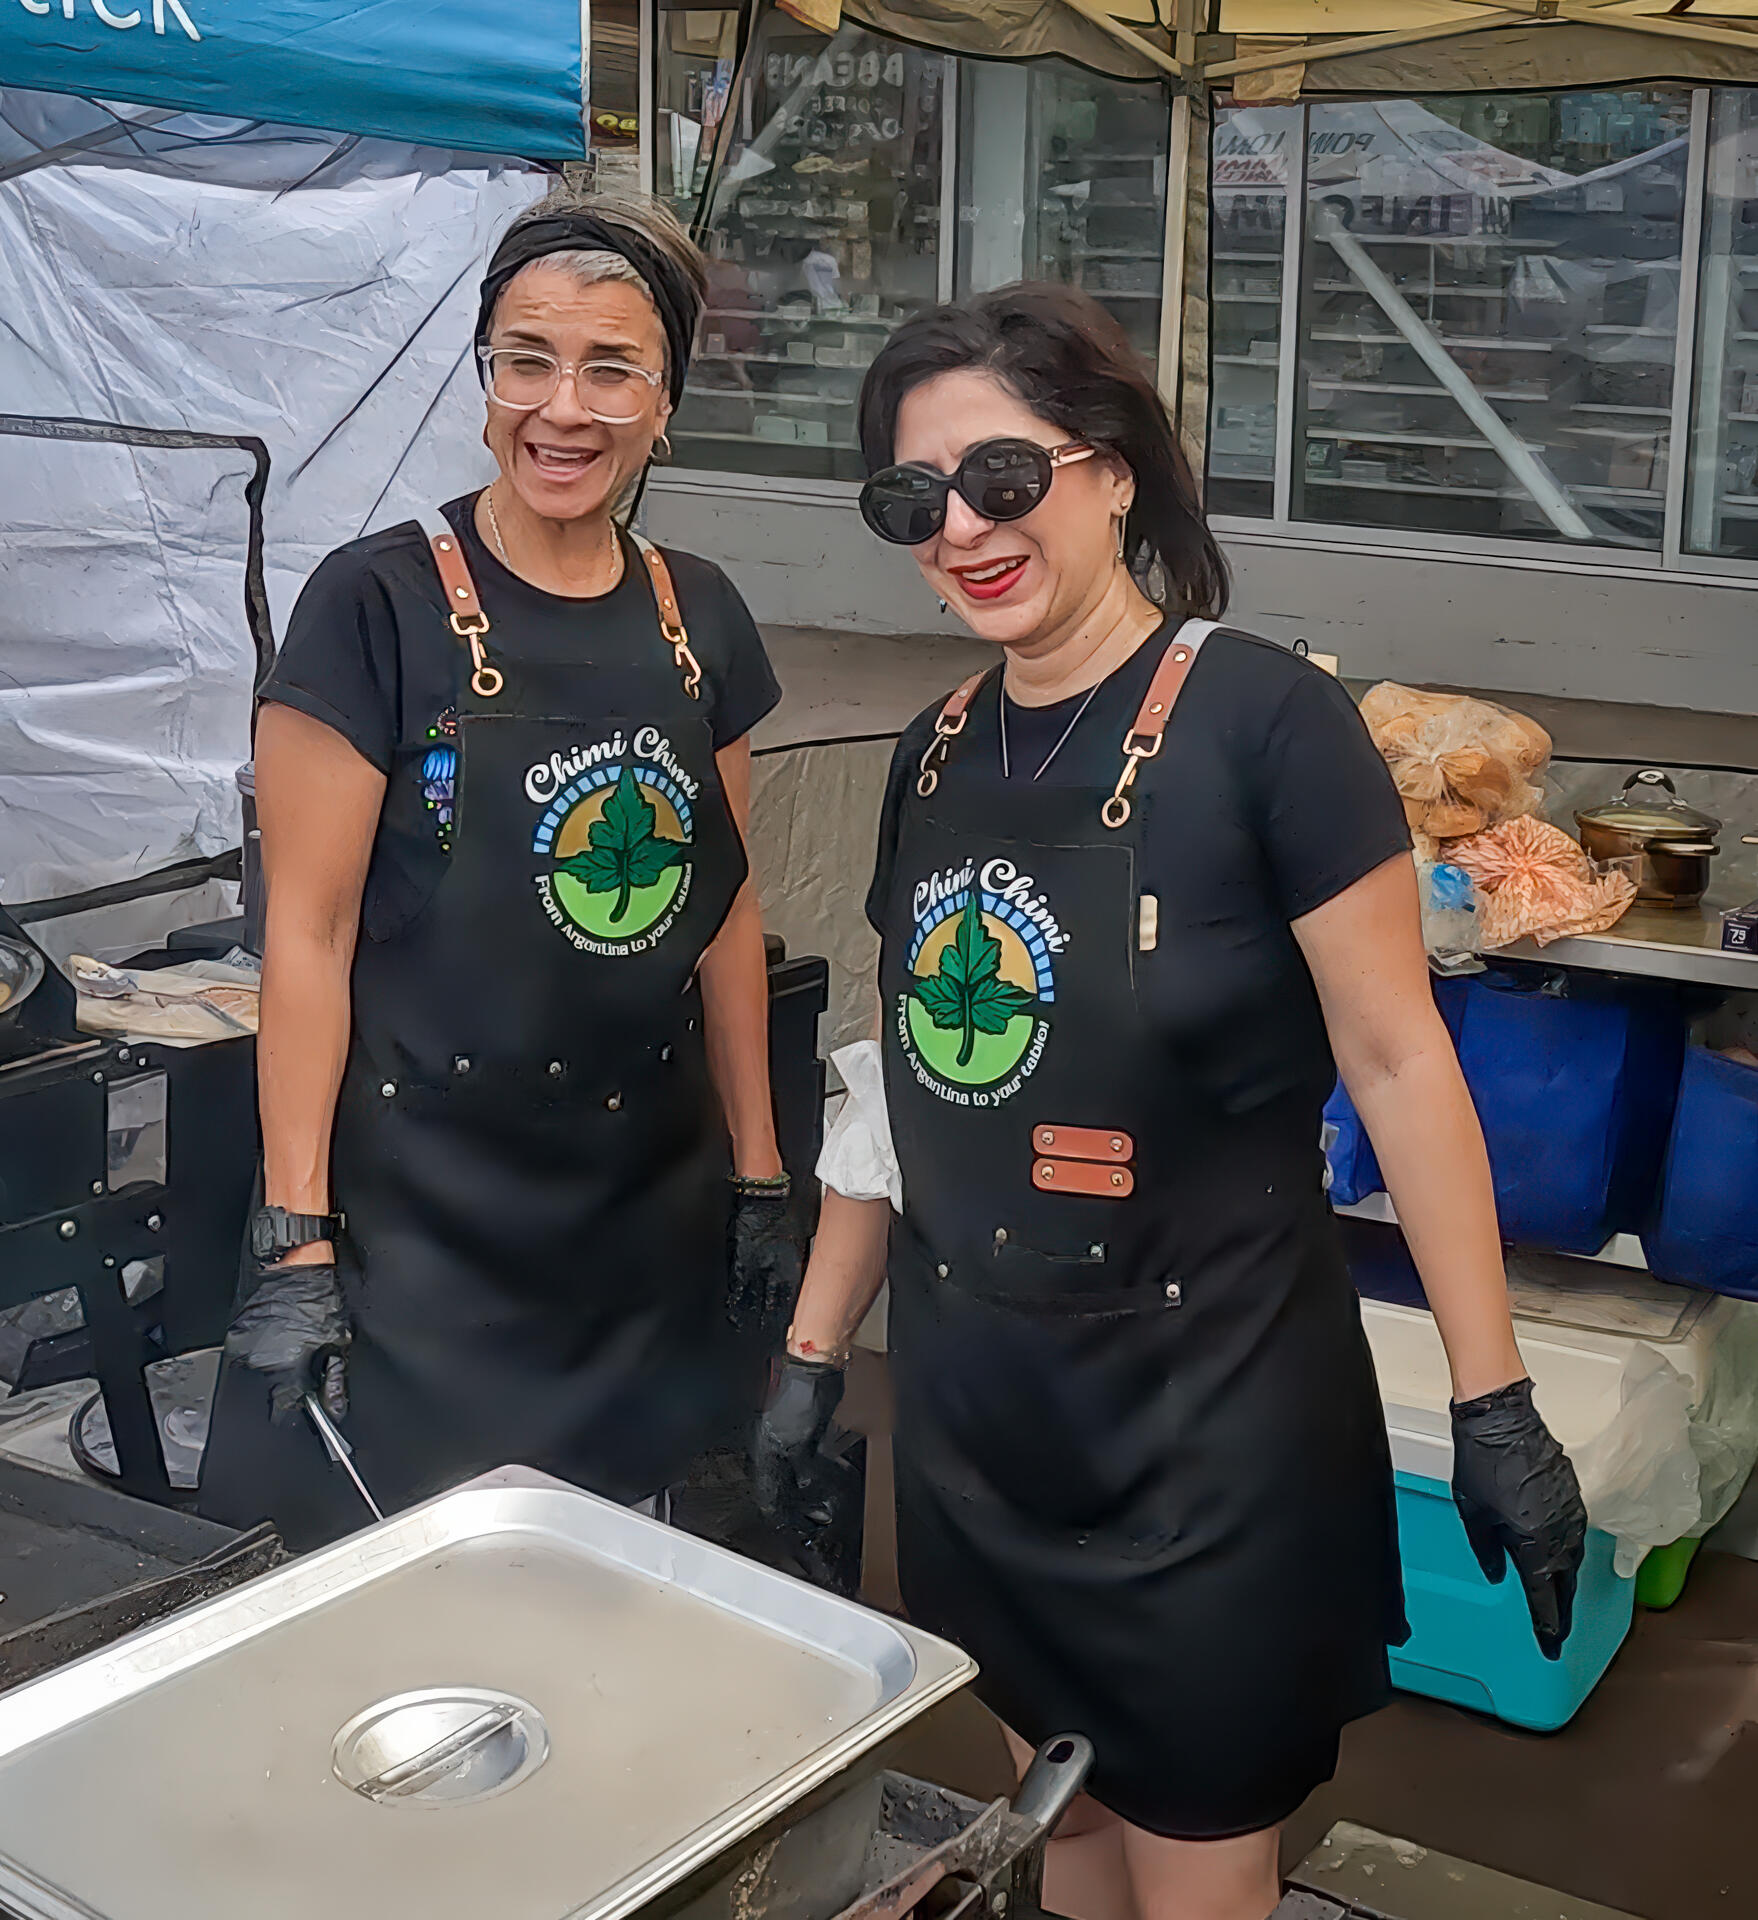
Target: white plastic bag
{"type": "Point", "coordinates": [857, 1159]}
{"type": "Point", "coordinates": [1671, 1464]}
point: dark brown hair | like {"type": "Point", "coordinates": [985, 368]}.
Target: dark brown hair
{"type": "Point", "coordinates": [1071, 363]}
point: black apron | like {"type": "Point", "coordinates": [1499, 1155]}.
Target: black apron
{"type": "Point", "coordinates": [527, 1145]}
{"type": "Point", "coordinates": [1142, 1470]}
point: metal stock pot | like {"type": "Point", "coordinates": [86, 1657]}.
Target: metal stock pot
{"type": "Point", "coordinates": [1673, 842]}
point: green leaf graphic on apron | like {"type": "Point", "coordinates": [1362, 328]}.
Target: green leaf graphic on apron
{"type": "Point", "coordinates": [968, 992]}
{"type": "Point", "coordinates": [623, 851]}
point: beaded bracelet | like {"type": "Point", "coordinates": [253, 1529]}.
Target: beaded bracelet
{"type": "Point", "coordinates": [775, 1186]}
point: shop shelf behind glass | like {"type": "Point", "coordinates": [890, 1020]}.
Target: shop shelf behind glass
{"type": "Point", "coordinates": [1489, 314]}
{"type": "Point", "coordinates": [824, 233]}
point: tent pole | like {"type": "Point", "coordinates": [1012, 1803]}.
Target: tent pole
{"type": "Point", "coordinates": [1665, 26]}
{"type": "Point", "coordinates": [1172, 266]}
{"type": "Point", "coordinates": [1094, 10]}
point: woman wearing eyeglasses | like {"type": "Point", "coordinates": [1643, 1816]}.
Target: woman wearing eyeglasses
{"type": "Point", "coordinates": [1137, 885]}
{"type": "Point", "coordinates": [514, 1010]}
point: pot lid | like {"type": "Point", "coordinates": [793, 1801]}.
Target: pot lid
{"type": "Point", "coordinates": [1650, 806]}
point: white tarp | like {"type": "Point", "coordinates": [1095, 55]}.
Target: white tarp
{"type": "Point", "coordinates": [312, 290]}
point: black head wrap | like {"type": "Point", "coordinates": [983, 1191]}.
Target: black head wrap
{"type": "Point", "coordinates": [674, 295]}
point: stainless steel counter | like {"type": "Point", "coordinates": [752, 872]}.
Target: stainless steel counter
{"type": "Point", "coordinates": [1660, 942]}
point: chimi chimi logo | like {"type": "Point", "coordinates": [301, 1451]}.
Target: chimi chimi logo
{"type": "Point", "coordinates": [164, 15]}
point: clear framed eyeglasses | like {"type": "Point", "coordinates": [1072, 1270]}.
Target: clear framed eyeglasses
{"type": "Point", "coordinates": [522, 379]}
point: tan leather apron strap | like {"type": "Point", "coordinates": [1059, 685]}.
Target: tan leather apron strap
{"type": "Point", "coordinates": [671, 617]}
{"type": "Point", "coordinates": [1143, 739]}
{"type": "Point", "coordinates": [948, 724]}
{"type": "Point", "coordinates": [463, 608]}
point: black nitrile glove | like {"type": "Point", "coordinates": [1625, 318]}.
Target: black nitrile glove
{"type": "Point", "coordinates": [766, 1263]}
{"type": "Point", "coordinates": [787, 1456]}
{"type": "Point", "coordinates": [1519, 1498]}
{"type": "Point", "coordinates": [294, 1329]}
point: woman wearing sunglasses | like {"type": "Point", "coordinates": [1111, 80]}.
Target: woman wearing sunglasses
{"type": "Point", "coordinates": [1136, 886]}
{"type": "Point", "coordinates": [514, 1001]}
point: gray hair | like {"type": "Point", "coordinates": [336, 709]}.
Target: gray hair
{"type": "Point", "coordinates": [651, 219]}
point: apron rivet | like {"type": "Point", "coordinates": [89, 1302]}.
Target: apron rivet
{"type": "Point", "coordinates": [1095, 1251]}
{"type": "Point", "coordinates": [1117, 1179]}
{"type": "Point", "coordinates": [555, 1069]}
{"type": "Point", "coordinates": [461, 1063]}
{"type": "Point", "coordinates": [615, 1103]}
{"type": "Point", "coordinates": [1116, 1146]}
{"type": "Point", "coordinates": [943, 1271]}
{"type": "Point", "coordinates": [1001, 1236]}
{"type": "Point", "coordinates": [1046, 1138]}
{"type": "Point", "coordinates": [1174, 1293]}
{"type": "Point", "coordinates": [389, 1090]}
{"type": "Point", "coordinates": [1048, 1170]}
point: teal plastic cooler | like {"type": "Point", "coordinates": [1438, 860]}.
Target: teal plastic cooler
{"type": "Point", "coordinates": [1471, 1643]}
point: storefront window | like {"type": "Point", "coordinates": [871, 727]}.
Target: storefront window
{"type": "Point", "coordinates": [1721, 500]}
{"type": "Point", "coordinates": [1489, 314]}
{"type": "Point", "coordinates": [1062, 177]}
{"type": "Point", "coordinates": [696, 49]}
{"type": "Point", "coordinates": [824, 232]}
{"type": "Point", "coordinates": [1253, 148]}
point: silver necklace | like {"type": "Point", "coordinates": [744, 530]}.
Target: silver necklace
{"type": "Point", "coordinates": [1006, 765]}
{"type": "Point", "coordinates": [494, 527]}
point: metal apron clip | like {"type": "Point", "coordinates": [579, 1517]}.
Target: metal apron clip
{"type": "Point", "coordinates": [948, 724]}
{"type": "Point", "coordinates": [671, 619]}
{"type": "Point", "coordinates": [1146, 736]}
{"type": "Point", "coordinates": [463, 608]}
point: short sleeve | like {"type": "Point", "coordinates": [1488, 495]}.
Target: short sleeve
{"type": "Point", "coordinates": [338, 662]}
{"type": "Point", "coordinates": [890, 821]}
{"type": "Point", "coordinates": [737, 664]}
{"type": "Point", "coordinates": [1329, 813]}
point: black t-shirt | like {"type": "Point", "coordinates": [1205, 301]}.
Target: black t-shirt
{"type": "Point", "coordinates": [1269, 799]}
{"type": "Point", "coordinates": [368, 652]}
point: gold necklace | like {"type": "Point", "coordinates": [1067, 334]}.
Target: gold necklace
{"type": "Point", "coordinates": [494, 527]}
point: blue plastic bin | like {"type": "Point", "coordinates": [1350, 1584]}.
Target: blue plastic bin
{"type": "Point", "coordinates": [1471, 1643]}
{"type": "Point", "coordinates": [1355, 1170]}
{"type": "Point", "coordinates": [1574, 1082]}
{"type": "Point", "coordinates": [1707, 1234]}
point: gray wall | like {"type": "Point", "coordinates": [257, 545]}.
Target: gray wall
{"type": "Point", "coordinates": [1679, 642]}
{"type": "Point", "coordinates": [804, 559]}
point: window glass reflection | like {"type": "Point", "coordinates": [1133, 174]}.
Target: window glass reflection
{"type": "Point", "coordinates": [1489, 314]}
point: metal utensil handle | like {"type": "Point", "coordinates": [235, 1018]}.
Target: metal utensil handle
{"type": "Point", "coordinates": [339, 1451]}
{"type": "Point", "coordinates": [1057, 1773]}
{"type": "Point", "coordinates": [435, 1762]}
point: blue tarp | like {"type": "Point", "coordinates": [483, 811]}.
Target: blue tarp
{"type": "Point", "coordinates": [463, 74]}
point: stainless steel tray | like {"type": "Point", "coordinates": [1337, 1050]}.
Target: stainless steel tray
{"type": "Point", "coordinates": [517, 1701]}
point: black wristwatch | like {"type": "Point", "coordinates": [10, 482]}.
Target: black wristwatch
{"type": "Point", "coordinates": [274, 1231]}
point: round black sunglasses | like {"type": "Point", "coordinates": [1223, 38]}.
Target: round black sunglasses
{"type": "Point", "coordinates": [998, 480]}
